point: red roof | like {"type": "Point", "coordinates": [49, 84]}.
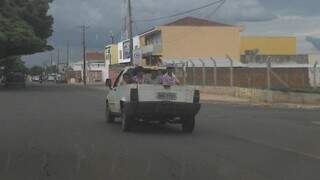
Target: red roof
{"type": "Point", "coordinates": [95, 56]}
{"type": "Point", "coordinates": [192, 21]}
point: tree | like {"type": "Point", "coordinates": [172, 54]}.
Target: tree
{"type": "Point", "coordinates": [51, 69]}
{"type": "Point", "coordinates": [13, 64]}
{"type": "Point", "coordinates": [36, 70]}
{"type": "Point", "coordinates": [25, 27]}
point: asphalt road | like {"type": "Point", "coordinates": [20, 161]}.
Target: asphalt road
{"type": "Point", "coordinates": [59, 133]}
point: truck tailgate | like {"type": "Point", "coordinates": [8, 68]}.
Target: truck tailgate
{"type": "Point", "coordinates": [154, 93]}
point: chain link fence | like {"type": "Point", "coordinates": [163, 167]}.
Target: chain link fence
{"type": "Point", "coordinates": [268, 75]}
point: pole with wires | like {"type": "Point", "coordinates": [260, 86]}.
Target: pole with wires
{"type": "Point", "coordinates": [84, 28]}
{"type": "Point", "coordinates": [130, 31]}
{"type": "Point", "coordinates": [58, 60]}
{"type": "Point", "coordinates": [68, 53]}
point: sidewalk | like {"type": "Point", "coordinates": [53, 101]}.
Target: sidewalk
{"type": "Point", "coordinates": [221, 98]}
{"type": "Point", "coordinates": [211, 98]}
{"type": "Point", "coordinates": [214, 98]}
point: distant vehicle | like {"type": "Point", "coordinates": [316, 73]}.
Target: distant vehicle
{"type": "Point", "coordinates": [51, 77]}
{"type": "Point", "coordinates": [35, 78]}
{"type": "Point", "coordinates": [15, 79]}
{"type": "Point", "coordinates": [61, 79]}
{"type": "Point", "coordinates": [152, 103]}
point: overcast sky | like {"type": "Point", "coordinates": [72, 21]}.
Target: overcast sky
{"type": "Point", "coordinates": [259, 17]}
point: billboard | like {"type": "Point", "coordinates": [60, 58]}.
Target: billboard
{"type": "Point", "coordinates": [124, 49]}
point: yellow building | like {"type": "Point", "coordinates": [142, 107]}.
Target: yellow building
{"type": "Point", "coordinates": [190, 38]}
{"type": "Point", "coordinates": [111, 53]}
{"type": "Point", "coordinates": [269, 45]}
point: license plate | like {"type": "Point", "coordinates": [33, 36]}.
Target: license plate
{"type": "Point", "coordinates": [167, 96]}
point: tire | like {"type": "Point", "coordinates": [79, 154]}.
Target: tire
{"type": "Point", "coordinates": [109, 117]}
{"type": "Point", "coordinates": [188, 124]}
{"type": "Point", "coordinates": [126, 122]}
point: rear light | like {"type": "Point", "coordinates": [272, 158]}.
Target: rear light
{"type": "Point", "coordinates": [196, 96]}
{"type": "Point", "coordinates": [134, 96]}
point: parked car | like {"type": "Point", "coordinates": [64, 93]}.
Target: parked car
{"type": "Point", "coordinates": [35, 78]}
{"type": "Point", "coordinates": [151, 103]}
{"type": "Point", "coordinates": [51, 78]}
{"type": "Point", "coordinates": [15, 79]}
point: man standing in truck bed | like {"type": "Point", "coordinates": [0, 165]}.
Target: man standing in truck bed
{"type": "Point", "coordinates": [169, 79]}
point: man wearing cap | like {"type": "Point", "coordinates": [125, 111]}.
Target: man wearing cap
{"type": "Point", "coordinates": [169, 79]}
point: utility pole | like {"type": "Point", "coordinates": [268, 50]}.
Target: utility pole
{"type": "Point", "coordinates": [58, 60]}
{"type": "Point", "coordinates": [130, 31]}
{"type": "Point", "coordinates": [68, 53]}
{"type": "Point", "coordinates": [51, 59]}
{"type": "Point", "coordinates": [84, 28]}
{"type": "Point", "coordinates": [112, 37]}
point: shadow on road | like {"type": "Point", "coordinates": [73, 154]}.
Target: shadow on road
{"type": "Point", "coordinates": [152, 129]}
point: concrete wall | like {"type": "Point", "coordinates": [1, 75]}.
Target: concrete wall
{"type": "Point", "coordinates": [257, 95]}
{"type": "Point", "coordinates": [180, 42]}
{"type": "Point", "coordinates": [270, 45]}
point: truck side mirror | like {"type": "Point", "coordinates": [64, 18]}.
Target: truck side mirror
{"type": "Point", "coordinates": [109, 83]}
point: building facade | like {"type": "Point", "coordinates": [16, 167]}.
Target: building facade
{"type": "Point", "coordinates": [190, 38]}
{"type": "Point", "coordinates": [269, 45]}
{"type": "Point", "coordinates": [111, 53]}
{"type": "Point", "coordinates": [97, 69]}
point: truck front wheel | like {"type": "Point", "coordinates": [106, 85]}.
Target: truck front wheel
{"type": "Point", "coordinates": [188, 124]}
{"type": "Point", "coordinates": [109, 117]}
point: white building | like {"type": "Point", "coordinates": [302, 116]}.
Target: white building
{"type": "Point", "coordinates": [97, 68]}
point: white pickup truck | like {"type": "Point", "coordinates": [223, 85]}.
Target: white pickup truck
{"type": "Point", "coordinates": [155, 103]}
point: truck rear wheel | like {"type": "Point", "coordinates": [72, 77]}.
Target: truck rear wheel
{"type": "Point", "coordinates": [188, 124]}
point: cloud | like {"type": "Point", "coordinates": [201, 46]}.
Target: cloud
{"type": "Point", "coordinates": [292, 25]}
{"type": "Point", "coordinates": [244, 10]}
{"type": "Point", "coordinates": [231, 11]}
{"type": "Point", "coordinates": [104, 16]}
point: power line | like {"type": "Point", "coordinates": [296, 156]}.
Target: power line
{"type": "Point", "coordinates": [180, 13]}
{"type": "Point", "coordinates": [217, 8]}
{"type": "Point", "coordinates": [195, 28]}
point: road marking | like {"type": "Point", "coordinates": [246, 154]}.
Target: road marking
{"type": "Point", "coordinates": [8, 162]}
{"type": "Point", "coordinates": [113, 164]}
{"type": "Point", "coordinates": [92, 95]}
{"type": "Point", "coordinates": [44, 172]}
{"type": "Point", "coordinates": [183, 167]}
{"type": "Point", "coordinates": [148, 169]}
{"type": "Point", "coordinates": [316, 123]}
{"type": "Point", "coordinates": [312, 156]}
